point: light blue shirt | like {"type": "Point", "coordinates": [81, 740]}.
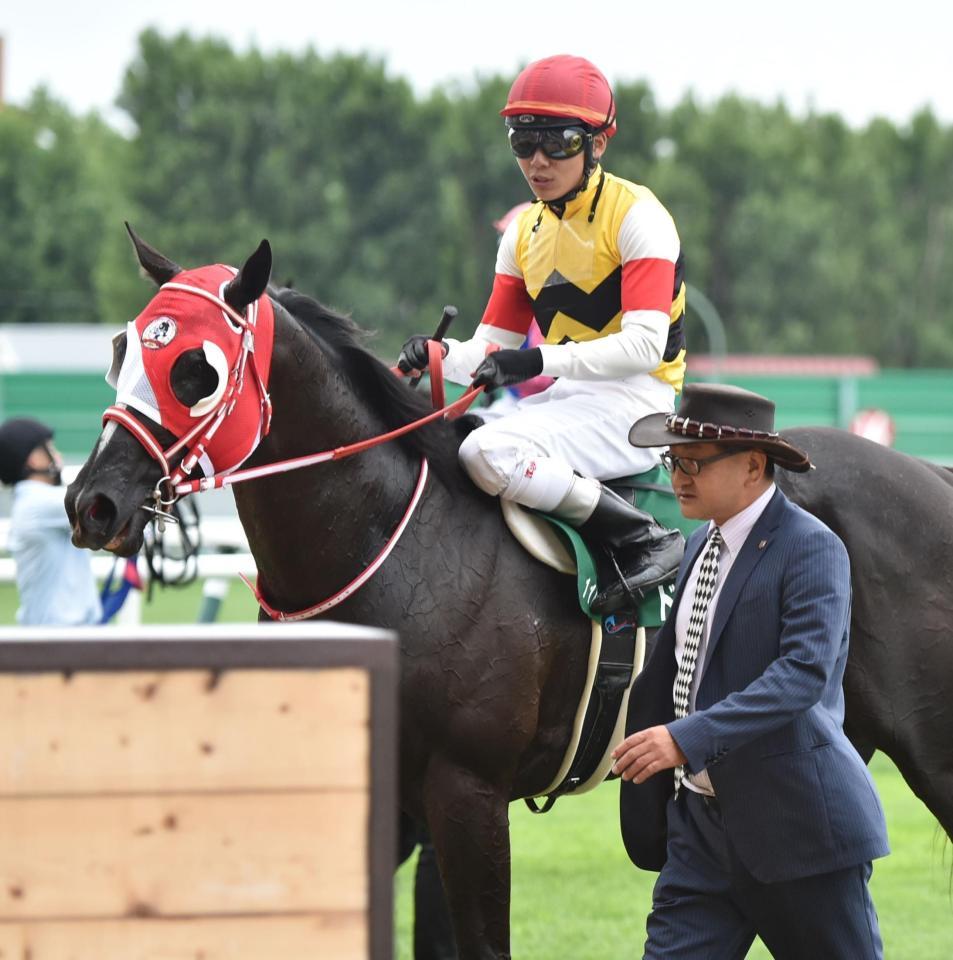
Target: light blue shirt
{"type": "Point", "coordinates": [54, 578]}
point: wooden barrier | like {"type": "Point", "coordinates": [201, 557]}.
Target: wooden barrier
{"type": "Point", "coordinates": [226, 795]}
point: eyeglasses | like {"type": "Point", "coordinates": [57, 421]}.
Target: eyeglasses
{"type": "Point", "coordinates": [558, 143]}
{"type": "Point", "coordinates": [692, 466]}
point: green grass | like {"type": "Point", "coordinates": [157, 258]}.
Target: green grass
{"type": "Point", "coordinates": [575, 894]}
{"type": "Point", "coordinates": [182, 604]}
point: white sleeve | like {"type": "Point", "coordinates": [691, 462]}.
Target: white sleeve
{"type": "Point", "coordinates": [43, 507]}
{"type": "Point", "coordinates": [647, 232]}
{"type": "Point", "coordinates": [506, 251]}
{"type": "Point", "coordinates": [636, 348]}
{"type": "Point", "coordinates": [464, 356]}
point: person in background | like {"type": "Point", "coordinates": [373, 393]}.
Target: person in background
{"type": "Point", "coordinates": [739, 783]}
{"type": "Point", "coordinates": [597, 262]}
{"type": "Point", "coordinates": [54, 579]}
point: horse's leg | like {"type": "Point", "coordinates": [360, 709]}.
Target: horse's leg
{"type": "Point", "coordinates": [469, 823]}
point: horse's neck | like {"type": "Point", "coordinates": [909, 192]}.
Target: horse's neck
{"type": "Point", "coordinates": [310, 539]}
{"type": "Point", "coordinates": [312, 530]}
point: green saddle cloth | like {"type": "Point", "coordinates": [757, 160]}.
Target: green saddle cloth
{"type": "Point", "coordinates": [652, 492]}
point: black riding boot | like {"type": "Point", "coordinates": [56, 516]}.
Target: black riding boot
{"type": "Point", "coordinates": [647, 554]}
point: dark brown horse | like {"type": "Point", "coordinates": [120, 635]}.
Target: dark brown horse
{"type": "Point", "coordinates": [493, 646]}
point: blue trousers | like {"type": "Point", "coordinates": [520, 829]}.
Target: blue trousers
{"type": "Point", "coordinates": [707, 905]}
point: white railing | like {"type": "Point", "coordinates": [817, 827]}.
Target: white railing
{"type": "Point", "coordinates": [208, 565]}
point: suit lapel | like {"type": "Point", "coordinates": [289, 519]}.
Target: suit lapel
{"type": "Point", "coordinates": [753, 549]}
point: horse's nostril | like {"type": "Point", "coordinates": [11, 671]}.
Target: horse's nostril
{"type": "Point", "coordinates": [99, 513]}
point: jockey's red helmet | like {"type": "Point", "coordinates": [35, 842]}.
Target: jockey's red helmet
{"type": "Point", "coordinates": [565, 87]}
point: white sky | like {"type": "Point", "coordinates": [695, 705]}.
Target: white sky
{"type": "Point", "coordinates": [859, 59]}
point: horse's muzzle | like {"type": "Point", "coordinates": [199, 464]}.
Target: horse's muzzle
{"type": "Point", "coordinates": [98, 525]}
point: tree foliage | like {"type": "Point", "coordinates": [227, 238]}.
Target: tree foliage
{"type": "Point", "coordinates": [54, 204]}
{"type": "Point", "coordinates": [807, 235]}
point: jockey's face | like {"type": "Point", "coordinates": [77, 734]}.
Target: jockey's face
{"type": "Point", "coordinates": [551, 179]}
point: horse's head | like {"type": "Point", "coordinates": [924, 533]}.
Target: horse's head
{"type": "Point", "coordinates": [190, 375]}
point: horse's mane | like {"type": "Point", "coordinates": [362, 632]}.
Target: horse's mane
{"type": "Point", "coordinates": [376, 384]}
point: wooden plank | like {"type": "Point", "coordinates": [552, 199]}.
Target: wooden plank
{"type": "Point", "coordinates": [334, 936]}
{"type": "Point", "coordinates": [183, 855]}
{"type": "Point", "coordinates": [183, 731]}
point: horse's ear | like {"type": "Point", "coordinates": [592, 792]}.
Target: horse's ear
{"type": "Point", "coordinates": [250, 282]}
{"type": "Point", "coordinates": [160, 268]}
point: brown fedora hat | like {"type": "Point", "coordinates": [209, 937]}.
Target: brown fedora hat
{"type": "Point", "coordinates": [723, 414]}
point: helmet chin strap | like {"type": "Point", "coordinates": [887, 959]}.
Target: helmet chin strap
{"type": "Point", "coordinates": [589, 165]}
{"type": "Point", "coordinates": [51, 471]}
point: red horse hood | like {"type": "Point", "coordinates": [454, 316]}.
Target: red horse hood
{"type": "Point", "coordinates": [176, 321]}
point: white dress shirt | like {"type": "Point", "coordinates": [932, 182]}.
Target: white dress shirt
{"type": "Point", "coordinates": [734, 532]}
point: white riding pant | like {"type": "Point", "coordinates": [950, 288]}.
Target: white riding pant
{"type": "Point", "coordinates": [529, 450]}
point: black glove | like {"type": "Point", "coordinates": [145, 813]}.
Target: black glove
{"type": "Point", "coordinates": [502, 368]}
{"type": "Point", "coordinates": [414, 354]}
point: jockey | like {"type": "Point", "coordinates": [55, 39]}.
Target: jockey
{"type": "Point", "coordinates": [596, 261]}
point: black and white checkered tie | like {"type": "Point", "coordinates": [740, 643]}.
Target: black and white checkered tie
{"type": "Point", "coordinates": [704, 591]}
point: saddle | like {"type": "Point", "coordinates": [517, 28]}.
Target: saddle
{"type": "Point", "coordinates": [617, 647]}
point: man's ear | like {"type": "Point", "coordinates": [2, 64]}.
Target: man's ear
{"type": "Point", "coordinates": [757, 464]}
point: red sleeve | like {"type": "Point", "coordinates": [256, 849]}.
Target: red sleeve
{"type": "Point", "coordinates": [509, 306]}
{"type": "Point", "coordinates": [648, 284]}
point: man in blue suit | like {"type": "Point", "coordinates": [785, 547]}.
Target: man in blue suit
{"type": "Point", "coordinates": [739, 784]}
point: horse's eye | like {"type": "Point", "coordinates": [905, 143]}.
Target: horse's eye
{"type": "Point", "coordinates": [193, 378]}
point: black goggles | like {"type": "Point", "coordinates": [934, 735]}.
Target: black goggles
{"type": "Point", "coordinates": [558, 143]}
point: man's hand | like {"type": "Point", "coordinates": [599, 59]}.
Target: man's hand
{"type": "Point", "coordinates": [503, 368]}
{"type": "Point", "coordinates": [645, 753]}
{"type": "Point", "coordinates": [414, 354]}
